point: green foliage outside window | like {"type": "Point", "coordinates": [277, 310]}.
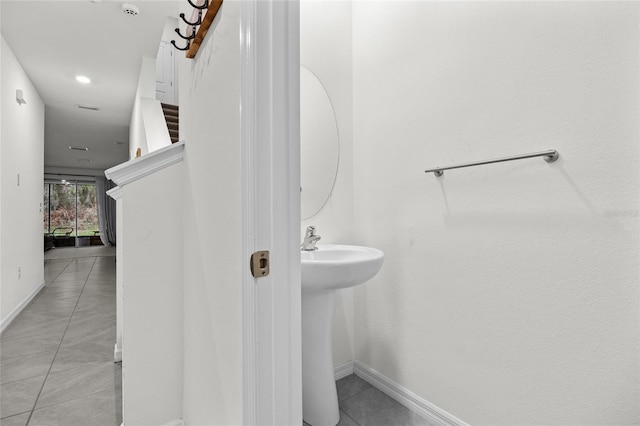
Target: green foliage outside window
{"type": "Point", "coordinates": [60, 208]}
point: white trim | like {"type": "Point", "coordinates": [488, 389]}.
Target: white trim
{"type": "Point", "coordinates": [136, 169]}
{"type": "Point", "coordinates": [271, 212]}
{"type": "Point", "coordinates": [117, 353]}
{"type": "Point", "coordinates": [16, 311]}
{"type": "Point", "coordinates": [115, 193]}
{"type": "Point", "coordinates": [249, 184]}
{"type": "Point", "coordinates": [404, 396]}
{"type": "Point", "coordinates": [343, 370]}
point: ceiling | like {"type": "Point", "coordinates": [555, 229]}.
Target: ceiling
{"type": "Point", "coordinates": [57, 40]}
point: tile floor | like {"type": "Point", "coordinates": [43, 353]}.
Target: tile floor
{"type": "Point", "coordinates": [363, 405]}
{"type": "Point", "coordinates": [80, 252]}
{"type": "Point", "coordinates": [56, 358]}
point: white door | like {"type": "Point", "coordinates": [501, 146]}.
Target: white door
{"type": "Point", "coordinates": [165, 74]}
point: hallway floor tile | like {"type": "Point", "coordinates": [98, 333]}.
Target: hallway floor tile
{"type": "Point", "coordinates": [56, 357]}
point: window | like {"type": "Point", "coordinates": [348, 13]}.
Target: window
{"type": "Point", "coordinates": [87, 216]}
{"type": "Point", "coordinates": [70, 209]}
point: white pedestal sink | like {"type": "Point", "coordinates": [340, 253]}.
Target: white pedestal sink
{"type": "Point", "coordinates": [324, 271]}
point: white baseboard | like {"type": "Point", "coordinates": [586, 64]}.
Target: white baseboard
{"type": "Point", "coordinates": [117, 353]}
{"type": "Point", "coordinates": [16, 311]}
{"type": "Point", "coordinates": [343, 370]}
{"type": "Point", "coordinates": [405, 397]}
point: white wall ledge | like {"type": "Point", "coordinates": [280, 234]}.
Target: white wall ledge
{"type": "Point", "coordinates": [133, 170]}
{"type": "Point", "coordinates": [115, 193]}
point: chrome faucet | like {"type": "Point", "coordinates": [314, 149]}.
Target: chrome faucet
{"type": "Point", "coordinates": [310, 239]}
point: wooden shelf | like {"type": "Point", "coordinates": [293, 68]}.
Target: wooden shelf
{"type": "Point", "coordinates": [207, 20]}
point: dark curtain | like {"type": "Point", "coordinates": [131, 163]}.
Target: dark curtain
{"type": "Point", "coordinates": [106, 211]}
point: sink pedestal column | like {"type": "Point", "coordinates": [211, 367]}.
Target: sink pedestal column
{"type": "Point", "coordinates": [319, 394]}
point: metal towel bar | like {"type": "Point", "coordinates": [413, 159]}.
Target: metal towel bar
{"type": "Point", "coordinates": [549, 156]}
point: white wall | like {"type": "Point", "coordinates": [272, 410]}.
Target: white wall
{"type": "Point", "coordinates": [150, 267]}
{"type": "Point", "coordinates": [52, 170]}
{"type": "Point", "coordinates": [210, 125]}
{"type": "Point", "coordinates": [509, 293]}
{"type": "Point", "coordinates": [148, 128]}
{"type": "Point", "coordinates": [328, 55]}
{"type": "Point", "coordinates": [155, 125]}
{"type": "Point", "coordinates": [21, 152]}
{"type": "Point", "coordinates": [169, 34]}
{"type": "Point", "coordinates": [137, 137]}
{"type": "Point", "coordinates": [2, 44]}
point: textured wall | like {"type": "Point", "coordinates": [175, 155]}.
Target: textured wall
{"type": "Point", "coordinates": [509, 294]}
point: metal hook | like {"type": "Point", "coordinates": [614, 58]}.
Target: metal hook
{"type": "Point", "coordinates": [192, 36]}
{"type": "Point", "coordinates": [198, 22]}
{"type": "Point", "coordinates": [204, 6]}
{"type": "Point", "coordinates": [181, 48]}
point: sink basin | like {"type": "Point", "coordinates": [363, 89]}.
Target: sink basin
{"type": "Point", "coordinates": [332, 267]}
{"type": "Point", "coordinates": [324, 272]}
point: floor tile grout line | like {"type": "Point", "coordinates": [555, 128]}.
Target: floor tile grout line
{"type": "Point", "coordinates": [30, 336]}
{"type": "Point", "coordinates": [77, 366]}
{"type": "Point", "coordinates": [61, 339]}
{"type": "Point", "coordinates": [41, 291]}
{"type": "Point", "coordinates": [14, 415]}
{"type": "Point", "coordinates": [352, 419]}
{"type": "Point", "coordinates": [23, 378]}
{"type": "Point", "coordinates": [73, 399]}
{"type": "Point", "coordinates": [70, 260]}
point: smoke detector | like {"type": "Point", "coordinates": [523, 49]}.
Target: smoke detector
{"type": "Point", "coordinates": [130, 9]}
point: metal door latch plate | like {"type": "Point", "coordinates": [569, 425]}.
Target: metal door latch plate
{"type": "Point", "coordinates": [260, 264]}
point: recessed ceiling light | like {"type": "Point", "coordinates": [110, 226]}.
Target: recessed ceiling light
{"type": "Point", "coordinates": [82, 79]}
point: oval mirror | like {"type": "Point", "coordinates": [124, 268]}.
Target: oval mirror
{"type": "Point", "coordinates": [319, 145]}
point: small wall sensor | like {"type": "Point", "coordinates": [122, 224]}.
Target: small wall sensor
{"type": "Point", "coordinates": [20, 97]}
